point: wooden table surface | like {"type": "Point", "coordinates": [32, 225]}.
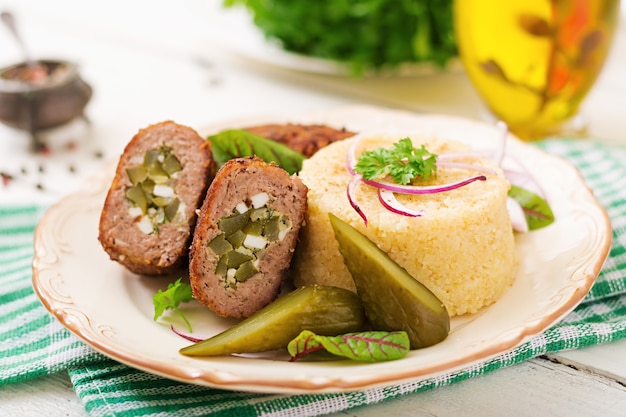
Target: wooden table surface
{"type": "Point", "coordinates": [152, 60]}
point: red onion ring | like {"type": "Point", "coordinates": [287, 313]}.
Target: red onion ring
{"type": "Point", "coordinates": [449, 160]}
{"type": "Point", "coordinates": [449, 156]}
{"type": "Point", "coordinates": [356, 179]}
{"type": "Point", "coordinates": [389, 201]}
{"type": "Point", "coordinates": [185, 336]}
{"type": "Point", "coordinates": [522, 177]}
{"type": "Point", "coordinates": [351, 156]}
{"type": "Point", "coordinates": [516, 213]}
{"type": "Point", "coordinates": [465, 166]}
{"type": "Point", "coordinates": [501, 150]}
{"type": "Point", "coordinates": [427, 189]}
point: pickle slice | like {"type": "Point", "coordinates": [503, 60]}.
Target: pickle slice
{"type": "Point", "coordinates": [271, 230]}
{"type": "Point", "coordinates": [157, 173]}
{"type": "Point", "coordinates": [237, 238]}
{"type": "Point", "coordinates": [230, 224]}
{"type": "Point", "coordinates": [136, 195]}
{"type": "Point", "coordinates": [324, 310]}
{"type": "Point", "coordinates": [220, 245]}
{"type": "Point", "coordinates": [171, 165]}
{"type": "Point", "coordinates": [137, 174]}
{"type": "Point", "coordinates": [245, 271]}
{"type": "Point", "coordinates": [253, 228]}
{"type": "Point", "coordinates": [161, 201]}
{"type": "Point", "coordinates": [235, 259]}
{"type": "Point", "coordinates": [172, 209]}
{"type": "Point", "coordinates": [392, 298]}
{"type": "Point", "coordinates": [151, 157]}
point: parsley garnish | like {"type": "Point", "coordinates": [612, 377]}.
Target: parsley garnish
{"type": "Point", "coordinates": [176, 293]}
{"type": "Point", "coordinates": [403, 162]}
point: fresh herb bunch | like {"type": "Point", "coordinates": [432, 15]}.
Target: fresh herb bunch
{"type": "Point", "coordinates": [365, 34]}
{"type": "Point", "coordinates": [403, 162]}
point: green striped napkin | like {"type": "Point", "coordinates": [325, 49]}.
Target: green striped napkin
{"type": "Point", "coordinates": [32, 343]}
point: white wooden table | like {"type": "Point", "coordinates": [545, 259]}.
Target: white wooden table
{"type": "Point", "coordinates": [152, 60]}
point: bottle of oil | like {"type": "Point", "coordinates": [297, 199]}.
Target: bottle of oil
{"type": "Point", "coordinates": [533, 61]}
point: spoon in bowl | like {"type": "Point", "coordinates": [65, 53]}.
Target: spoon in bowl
{"type": "Point", "coordinates": [9, 21]}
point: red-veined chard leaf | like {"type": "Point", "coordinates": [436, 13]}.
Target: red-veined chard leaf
{"type": "Point", "coordinates": [372, 346]}
{"type": "Point", "coordinates": [536, 210]}
{"type": "Point", "coordinates": [234, 143]}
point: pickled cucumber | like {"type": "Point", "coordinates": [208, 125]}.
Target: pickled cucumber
{"type": "Point", "coordinates": [392, 298]}
{"type": "Point", "coordinates": [324, 310]}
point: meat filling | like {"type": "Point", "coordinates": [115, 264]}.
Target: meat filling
{"type": "Point", "coordinates": [244, 236]}
{"type": "Point", "coordinates": [152, 196]}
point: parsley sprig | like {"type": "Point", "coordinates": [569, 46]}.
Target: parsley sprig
{"type": "Point", "coordinates": [403, 162]}
{"type": "Point", "coordinates": [176, 293]}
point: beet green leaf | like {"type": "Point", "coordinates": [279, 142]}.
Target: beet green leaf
{"type": "Point", "coordinates": [371, 346]}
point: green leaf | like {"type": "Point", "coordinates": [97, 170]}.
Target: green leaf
{"type": "Point", "coordinates": [350, 30]}
{"type": "Point", "coordinates": [371, 346]}
{"type": "Point", "coordinates": [536, 210]}
{"type": "Point", "coordinates": [403, 162]}
{"type": "Point", "coordinates": [304, 344]}
{"type": "Point", "coordinates": [176, 293]}
{"type": "Point", "coordinates": [234, 143]}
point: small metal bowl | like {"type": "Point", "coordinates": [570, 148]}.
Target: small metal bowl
{"type": "Point", "coordinates": [41, 95]}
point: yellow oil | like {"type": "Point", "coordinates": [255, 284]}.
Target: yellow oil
{"type": "Point", "coordinates": [533, 61]}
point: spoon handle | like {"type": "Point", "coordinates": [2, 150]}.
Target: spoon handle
{"type": "Point", "coordinates": [9, 21]}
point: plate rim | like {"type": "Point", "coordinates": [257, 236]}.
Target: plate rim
{"type": "Point", "coordinates": [218, 379]}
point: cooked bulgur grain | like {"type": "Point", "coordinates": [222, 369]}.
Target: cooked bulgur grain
{"type": "Point", "coordinates": [462, 249]}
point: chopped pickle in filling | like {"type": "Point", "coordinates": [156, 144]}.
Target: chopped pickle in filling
{"type": "Point", "coordinates": [152, 196]}
{"type": "Point", "coordinates": [245, 233]}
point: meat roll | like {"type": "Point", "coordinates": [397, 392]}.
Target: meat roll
{"type": "Point", "coordinates": [306, 139]}
{"type": "Point", "coordinates": [150, 210]}
{"type": "Point", "coordinates": [245, 236]}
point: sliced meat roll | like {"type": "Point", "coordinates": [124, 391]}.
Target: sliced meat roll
{"type": "Point", "coordinates": [150, 210]}
{"type": "Point", "coordinates": [245, 236]}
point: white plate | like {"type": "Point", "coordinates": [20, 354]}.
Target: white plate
{"type": "Point", "coordinates": [232, 29]}
{"type": "Point", "coordinates": [111, 309]}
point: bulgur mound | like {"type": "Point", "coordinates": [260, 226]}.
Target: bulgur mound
{"type": "Point", "coordinates": [462, 248]}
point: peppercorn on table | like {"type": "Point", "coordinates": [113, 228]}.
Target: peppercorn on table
{"type": "Point", "coordinates": [150, 61]}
